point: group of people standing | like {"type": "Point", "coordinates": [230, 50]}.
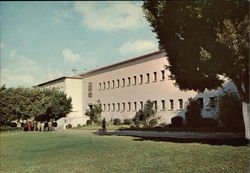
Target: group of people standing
{"type": "Point", "coordinates": [37, 126]}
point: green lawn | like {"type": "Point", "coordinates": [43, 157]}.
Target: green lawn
{"type": "Point", "coordinates": [64, 152]}
{"type": "Point", "coordinates": [95, 127]}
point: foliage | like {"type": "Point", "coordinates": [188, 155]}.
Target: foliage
{"type": "Point", "coordinates": [128, 121]}
{"type": "Point", "coordinates": [89, 122]}
{"type": "Point", "coordinates": [39, 104]}
{"type": "Point", "coordinates": [94, 113]}
{"type": "Point", "coordinates": [177, 121]}
{"type": "Point", "coordinates": [204, 40]}
{"type": "Point", "coordinates": [68, 126]}
{"type": "Point", "coordinates": [153, 122]}
{"type": "Point", "coordinates": [117, 121]}
{"type": "Point", "coordinates": [144, 115]}
{"type": "Point", "coordinates": [193, 114]}
{"type": "Point", "coordinates": [230, 111]}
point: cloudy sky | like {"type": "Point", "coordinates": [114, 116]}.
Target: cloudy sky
{"type": "Point", "coordinates": [41, 41]}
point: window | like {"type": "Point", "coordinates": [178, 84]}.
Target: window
{"type": "Point", "coordinates": [135, 105]}
{"type": "Point", "coordinates": [213, 102]}
{"type": "Point", "coordinates": [163, 106]}
{"type": "Point", "coordinates": [141, 79]}
{"type": "Point", "coordinates": [104, 107]}
{"type": "Point", "coordinates": [118, 83]}
{"type": "Point", "coordinates": [200, 100]}
{"type": "Point", "coordinates": [108, 107]}
{"type": "Point", "coordinates": [171, 101]}
{"type": "Point", "coordinates": [155, 76]}
{"type": "Point", "coordinates": [104, 86]}
{"type": "Point", "coordinates": [134, 80]}
{"type": "Point", "coordinates": [155, 104]}
{"type": "Point", "coordinates": [147, 78]}
{"type": "Point", "coordinates": [113, 84]}
{"type": "Point", "coordinates": [129, 106]}
{"type": "Point", "coordinates": [118, 106]}
{"type": "Point", "coordinates": [90, 90]}
{"type": "Point", "coordinates": [141, 104]}
{"type": "Point", "coordinates": [108, 85]}
{"type": "Point", "coordinates": [100, 86]}
{"type": "Point", "coordinates": [113, 107]}
{"type": "Point", "coordinates": [180, 104]}
{"type": "Point", "coordinates": [163, 75]}
{"type": "Point", "coordinates": [123, 106]}
{"type": "Point", "coordinates": [123, 82]}
{"type": "Point", "coordinates": [129, 81]}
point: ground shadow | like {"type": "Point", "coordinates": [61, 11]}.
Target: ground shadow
{"type": "Point", "coordinates": [233, 141]}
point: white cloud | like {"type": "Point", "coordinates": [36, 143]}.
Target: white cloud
{"type": "Point", "coordinates": [71, 57]}
{"type": "Point", "coordinates": [138, 46]}
{"type": "Point", "coordinates": [110, 15]}
{"type": "Point", "coordinates": [60, 16]}
{"type": "Point", "coordinates": [1, 45]}
{"type": "Point", "coordinates": [23, 71]}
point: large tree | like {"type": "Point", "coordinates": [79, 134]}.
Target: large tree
{"type": "Point", "coordinates": [206, 43]}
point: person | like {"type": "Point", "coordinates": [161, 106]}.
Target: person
{"type": "Point", "coordinates": [29, 126]}
{"type": "Point", "coordinates": [45, 126]}
{"type": "Point", "coordinates": [104, 125]}
{"type": "Point", "coordinates": [50, 126]}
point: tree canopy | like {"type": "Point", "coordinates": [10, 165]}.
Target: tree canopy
{"type": "Point", "coordinates": [38, 104]}
{"type": "Point", "coordinates": [204, 41]}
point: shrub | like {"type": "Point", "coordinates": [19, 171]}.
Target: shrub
{"type": "Point", "coordinates": [68, 126]}
{"type": "Point", "coordinates": [117, 121]}
{"type": "Point", "coordinates": [193, 114]}
{"type": "Point", "coordinates": [230, 110]}
{"type": "Point", "coordinates": [128, 121]}
{"type": "Point", "coordinates": [209, 122]}
{"type": "Point", "coordinates": [153, 122]}
{"type": "Point", "coordinates": [177, 121]}
{"type": "Point", "coordinates": [89, 122]}
{"type": "Point", "coordinates": [78, 125]}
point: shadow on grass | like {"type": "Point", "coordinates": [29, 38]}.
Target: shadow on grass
{"type": "Point", "coordinates": [231, 141]}
{"type": "Point", "coordinates": [210, 141]}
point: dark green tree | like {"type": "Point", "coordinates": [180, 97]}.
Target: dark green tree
{"type": "Point", "coordinates": [230, 111]}
{"type": "Point", "coordinates": [204, 42]}
{"type": "Point", "coordinates": [193, 114]}
{"type": "Point", "coordinates": [94, 113]}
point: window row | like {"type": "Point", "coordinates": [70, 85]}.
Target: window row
{"type": "Point", "coordinates": [130, 81]}
{"type": "Point", "coordinates": [134, 106]}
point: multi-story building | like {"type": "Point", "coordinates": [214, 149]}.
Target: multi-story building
{"type": "Point", "coordinates": [123, 88]}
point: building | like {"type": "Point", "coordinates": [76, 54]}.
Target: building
{"type": "Point", "coordinates": [124, 87]}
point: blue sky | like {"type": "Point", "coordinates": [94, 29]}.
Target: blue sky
{"type": "Point", "coordinates": [41, 41]}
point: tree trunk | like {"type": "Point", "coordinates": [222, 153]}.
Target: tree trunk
{"type": "Point", "coordinates": [246, 118]}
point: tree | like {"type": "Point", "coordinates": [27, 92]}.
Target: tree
{"type": "Point", "coordinates": [38, 104]}
{"type": "Point", "coordinates": [229, 109]}
{"type": "Point", "coordinates": [204, 42]}
{"type": "Point", "coordinates": [94, 113]}
{"type": "Point", "coordinates": [144, 115]}
{"type": "Point", "coordinates": [193, 114]}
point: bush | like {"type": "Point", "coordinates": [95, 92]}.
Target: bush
{"type": "Point", "coordinates": [89, 122]}
{"type": "Point", "coordinates": [177, 121]}
{"type": "Point", "coordinates": [78, 125]}
{"type": "Point", "coordinates": [230, 110]}
{"type": "Point", "coordinates": [128, 121]}
{"type": "Point", "coordinates": [193, 114]}
{"type": "Point", "coordinates": [209, 122]}
{"type": "Point", "coordinates": [117, 121]}
{"type": "Point", "coordinates": [68, 126]}
{"type": "Point", "coordinates": [153, 122]}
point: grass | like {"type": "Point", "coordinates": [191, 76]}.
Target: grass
{"type": "Point", "coordinates": [64, 152]}
{"type": "Point", "coordinates": [96, 127]}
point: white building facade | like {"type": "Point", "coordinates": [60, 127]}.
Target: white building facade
{"type": "Point", "coordinates": [123, 88]}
